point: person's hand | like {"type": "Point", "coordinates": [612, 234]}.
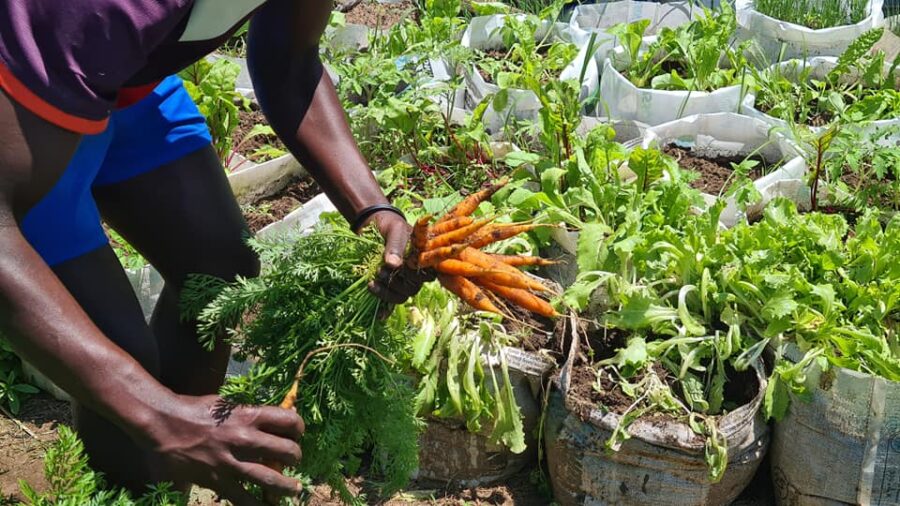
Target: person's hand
{"type": "Point", "coordinates": [205, 441]}
{"type": "Point", "coordinates": [395, 282]}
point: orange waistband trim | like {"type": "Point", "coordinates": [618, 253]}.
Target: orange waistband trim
{"type": "Point", "coordinates": [44, 110]}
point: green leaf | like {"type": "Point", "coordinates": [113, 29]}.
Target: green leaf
{"type": "Point", "coordinates": [777, 398]}
{"type": "Point", "coordinates": [591, 240]}
{"type": "Point", "coordinates": [516, 159]}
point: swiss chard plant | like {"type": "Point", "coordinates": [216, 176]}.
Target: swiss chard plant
{"type": "Point", "coordinates": [529, 60]}
{"type": "Point", "coordinates": [698, 56]}
{"type": "Point", "coordinates": [861, 87]}
{"type": "Point", "coordinates": [212, 87]}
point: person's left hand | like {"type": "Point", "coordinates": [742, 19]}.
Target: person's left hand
{"type": "Point", "coordinates": [395, 282]}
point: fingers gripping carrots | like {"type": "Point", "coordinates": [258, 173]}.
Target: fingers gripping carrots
{"type": "Point", "coordinates": [451, 245]}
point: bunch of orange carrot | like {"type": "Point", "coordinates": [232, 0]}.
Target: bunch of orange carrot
{"type": "Point", "coordinates": [452, 247]}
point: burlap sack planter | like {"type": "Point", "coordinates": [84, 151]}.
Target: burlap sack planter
{"type": "Point", "coordinates": [799, 41]}
{"type": "Point", "coordinates": [729, 134]}
{"type": "Point", "coordinates": [450, 454]}
{"type": "Point", "coordinates": [842, 447]}
{"type": "Point", "coordinates": [819, 68]}
{"type": "Point", "coordinates": [661, 465]}
{"type": "Point", "coordinates": [624, 101]}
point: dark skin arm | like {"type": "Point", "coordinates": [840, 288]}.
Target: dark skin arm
{"type": "Point", "coordinates": [302, 106]}
{"type": "Point", "coordinates": [47, 327]}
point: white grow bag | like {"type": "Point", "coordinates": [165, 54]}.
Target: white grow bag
{"type": "Point", "coordinates": [729, 134]}
{"type": "Point", "coordinates": [821, 66]}
{"type": "Point", "coordinates": [623, 100]}
{"type": "Point", "coordinates": [597, 18]}
{"type": "Point", "coordinates": [800, 41]}
{"type": "Point", "coordinates": [484, 33]}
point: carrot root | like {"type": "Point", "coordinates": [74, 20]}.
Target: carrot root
{"type": "Point", "coordinates": [469, 204]}
{"type": "Point", "coordinates": [456, 236]}
{"type": "Point", "coordinates": [451, 225]}
{"type": "Point", "coordinates": [469, 292]}
{"type": "Point", "coordinates": [523, 261]}
{"type": "Point", "coordinates": [521, 298]}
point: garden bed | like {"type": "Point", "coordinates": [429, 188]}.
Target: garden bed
{"type": "Point", "coordinates": [276, 207]}
{"type": "Point", "coordinates": [714, 174]}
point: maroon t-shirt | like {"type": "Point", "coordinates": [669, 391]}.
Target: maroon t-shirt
{"type": "Point", "coordinates": [69, 61]}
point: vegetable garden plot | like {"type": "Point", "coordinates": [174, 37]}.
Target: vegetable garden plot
{"type": "Point", "coordinates": [734, 157]}
{"type": "Point", "coordinates": [693, 69]}
{"type": "Point", "coordinates": [859, 89]}
{"type": "Point", "coordinates": [785, 34]}
{"type": "Point", "coordinates": [591, 27]}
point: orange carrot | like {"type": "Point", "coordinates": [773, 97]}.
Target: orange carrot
{"type": "Point", "coordinates": [420, 233]}
{"type": "Point", "coordinates": [451, 225]}
{"type": "Point", "coordinates": [431, 258]}
{"type": "Point", "coordinates": [454, 267]}
{"type": "Point", "coordinates": [522, 298]}
{"type": "Point", "coordinates": [523, 261]}
{"type": "Point", "coordinates": [499, 232]}
{"type": "Point", "coordinates": [456, 236]}
{"type": "Point", "coordinates": [482, 259]}
{"type": "Point", "coordinates": [469, 204]}
{"type": "Point", "coordinates": [468, 292]}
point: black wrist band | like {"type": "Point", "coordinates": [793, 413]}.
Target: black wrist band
{"type": "Point", "coordinates": [366, 213]}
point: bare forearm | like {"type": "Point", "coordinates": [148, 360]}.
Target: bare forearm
{"type": "Point", "coordinates": [47, 327]}
{"type": "Point", "coordinates": [300, 101]}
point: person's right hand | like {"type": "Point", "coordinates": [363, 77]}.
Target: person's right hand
{"type": "Point", "coordinates": [207, 442]}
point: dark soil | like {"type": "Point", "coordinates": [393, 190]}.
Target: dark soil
{"type": "Point", "coordinates": [713, 173]}
{"type": "Point", "coordinates": [534, 331]}
{"type": "Point", "coordinates": [381, 16]}
{"type": "Point", "coordinates": [246, 148]}
{"type": "Point", "coordinates": [274, 208]}
{"type": "Point", "coordinates": [604, 343]}
{"type": "Point", "coordinates": [494, 54]}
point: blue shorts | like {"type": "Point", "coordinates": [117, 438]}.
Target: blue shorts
{"type": "Point", "coordinates": [161, 128]}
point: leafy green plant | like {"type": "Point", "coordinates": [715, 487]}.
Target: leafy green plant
{"type": "Point", "coordinates": [456, 380]}
{"type": "Point", "coordinates": [863, 170]}
{"type": "Point", "coordinates": [13, 388]}
{"type": "Point", "coordinates": [698, 56]}
{"type": "Point", "coordinates": [860, 88]}
{"type": "Point", "coordinates": [71, 481]}
{"type": "Point", "coordinates": [212, 87]}
{"type": "Point", "coordinates": [815, 14]}
{"type": "Point", "coordinates": [312, 295]}
{"type": "Point", "coordinates": [13, 391]}
{"type": "Point", "coordinates": [529, 60]}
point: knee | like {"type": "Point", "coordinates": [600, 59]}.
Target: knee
{"type": "Point", "coordinates": [226, 259]}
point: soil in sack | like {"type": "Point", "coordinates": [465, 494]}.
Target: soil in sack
{"type": "Point", "coordinates": [272, 209]}
{"type": "Point", "coordinates": [247, 146]}
{"type": "Point", "coordinates": [502, 56]}
{"type": "Point", "coordinates": [714, 173]}
{"type": "Point", "coordinates": [381, 16]}
{"type": "Point", "coordinates": [662, 464]}
{"type": "Point", "coordinates": [452, 456]}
